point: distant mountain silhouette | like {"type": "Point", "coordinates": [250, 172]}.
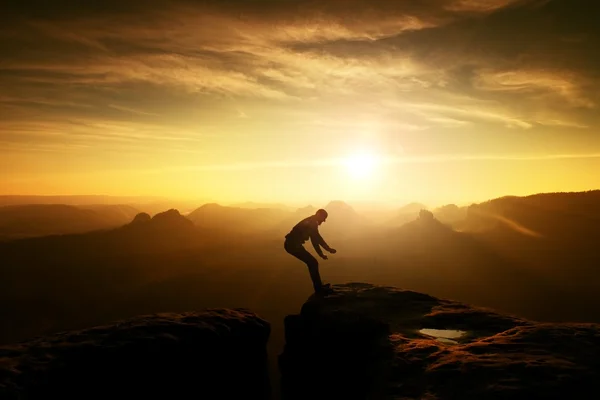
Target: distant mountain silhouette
{"type": "Point", "coordinates": [118, 212]}
{"type": "Point", "coordinates": [533, 248]}
{"type": "Point", "coordinates": [167, 231]}
{"type": "Point", "coordinates": [412, 208]}
{"type": "Point", "coordinates": [69, 273]}
{"type": "Point", "coordinates": [343, 221]}
{"type": "Point", "coordinates": [164, 231]}
{"type": "Point", "coordinates": [50, 219]}
{"type": "Point", "coordinates": [553, 236]}
{"type": "Point", "coordinates": [292, 218]}
{"type": "Point", "coordinates": [406, 214]}
{"type": "Point", "coordinates": [141, 218]}
{"type": "Point", "coordinates": [450, 214]}
{"type": "Point", "coordinates": [149, 204]}
{"type": "Point", "coordinates": [544, 215]}
{"type": "Point", "coordinates": [342, 208]}
{"type": "Point", "coordinates": [255, 205]}
{"type": "Point", "coordinates": [308, 210]}
{"type": "Point", "coordinates": [170, 219]}
{"type": "Point", "coordinates": [215, 216]}
{"type": "Point", "coordinates": [577, 203]}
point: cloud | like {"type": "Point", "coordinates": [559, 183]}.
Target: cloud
{"type": "Point", "coordinates": [480, 6]}
{"type": "Point", "coordinates": [442, 64]}
{"type": "Point", "coordinates": [465, 113]}
{"type": "Point", "coordinates": [77, 133]}
{"type": "Point", "coordinates": [524, 81]}
{"type": "Point", "coordinates": [494, 157]}
{"type": "Point", "coordinates": [165, 69]}
{"type": "Point", "coordinates": [131, 110]}
{"type": "Point", "coordinates": [385, 160]}
{"type": "Point", "coordinates": [562, 123]}
{"type": "Point", "coordinates": [449, 122]}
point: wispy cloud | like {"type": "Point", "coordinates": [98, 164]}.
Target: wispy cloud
{"type": "Point", "coordinates": [429, 65]}
{"type": "Point", "coordinates": [132, 110]}
{"type": "Point", "coordinates": [480, 6]}
{"type": "Point", "coordinates": [469, 112]}
{"type": "Point", "coordinates": [493, 157]}
{"type": "Point", "coordinates": [383, 161]}
{"type": "Point", "coordinates": [563, 84]}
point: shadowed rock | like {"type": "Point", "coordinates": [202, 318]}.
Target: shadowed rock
{"type": "Point", "coordinates": [156, 356]}
{"type": "Point", "coordinates": [364, 342]}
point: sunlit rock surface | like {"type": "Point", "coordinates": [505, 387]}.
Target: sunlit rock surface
{"type": "Point", "coordinates": [364, 342]}
{"type": "Point", "coordinates": [215, 353]}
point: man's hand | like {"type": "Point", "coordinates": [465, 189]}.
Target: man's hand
{"type": "Point", "coordinates": [323, 256]}
{"type": "Point", "coordinates": [332, 251]}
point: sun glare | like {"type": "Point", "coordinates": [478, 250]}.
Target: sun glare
{"type": "Point", "coordinates": [361, 166]}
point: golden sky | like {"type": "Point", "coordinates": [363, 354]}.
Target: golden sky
{"type": "Point", "coordinates": [436, 101]}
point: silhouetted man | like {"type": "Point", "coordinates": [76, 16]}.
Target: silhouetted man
{"type": "Point", "coordinates": [306, 229]}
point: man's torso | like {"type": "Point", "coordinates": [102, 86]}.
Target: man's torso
{"type": "Point", "coordinates": [303, 230]}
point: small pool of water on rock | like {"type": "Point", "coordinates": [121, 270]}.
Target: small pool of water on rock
{"type": "Point", "coordinates": [443, 335]}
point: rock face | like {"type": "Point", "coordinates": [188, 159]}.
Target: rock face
{"type": "Point", "coordinates": [216, 353]}
{"type": "Point", "coordinates": [365, 342]}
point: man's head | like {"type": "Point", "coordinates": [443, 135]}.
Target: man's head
{"type": "Point", "coordinates": [321, 216]}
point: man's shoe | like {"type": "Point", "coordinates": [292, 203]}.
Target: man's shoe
{"type": "Point", "coordinates": [325, 290]}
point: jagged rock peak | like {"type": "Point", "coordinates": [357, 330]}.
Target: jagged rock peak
{"type": "Point", "coordinates": [141, 218]}
{"type": "Point", "coordinates": [426, 215]}
{"type": "Point", "coordinates": [171, 218]}
{"type": "Point", "coordinates": [169, 214]}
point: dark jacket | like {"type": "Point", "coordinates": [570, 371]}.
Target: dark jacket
{"type": "Point", "coordinates": [306, 229]}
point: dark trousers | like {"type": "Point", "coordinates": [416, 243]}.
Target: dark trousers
{"type": "Point", "coordinates": [298, 251]}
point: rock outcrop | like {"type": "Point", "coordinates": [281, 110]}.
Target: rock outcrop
{"type": "Point", "coordinates": [166, 231]}
{"type": "Point", "coordinates": [216, 353]}
{"type": "Point", "coordinates": [171, 219]}
{"type": "Point", "coordinates": [426, 215]}
{"type": "Point", "coordinates": [168, 220]}
{"type": "Point", "coordinates": [141, 218]}
{"type": "Point", "coordinates": [369, 342]}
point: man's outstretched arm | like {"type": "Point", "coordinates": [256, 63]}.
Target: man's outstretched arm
{"type": "Point", "coordinates": [318, 242]}
{"type": "Point", "coordinates": [321, 241]}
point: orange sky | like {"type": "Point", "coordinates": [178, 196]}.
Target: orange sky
{"type": "Point", "coordinates": [435, 101]}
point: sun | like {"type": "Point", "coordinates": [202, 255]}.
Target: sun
{"type": "Point", "coordinates": [361, 166]}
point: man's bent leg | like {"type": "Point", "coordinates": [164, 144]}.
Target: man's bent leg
{"type": "Point", "coordinates": [313, 270]}
{"type": "Point", "coordinates": [313, 265]}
